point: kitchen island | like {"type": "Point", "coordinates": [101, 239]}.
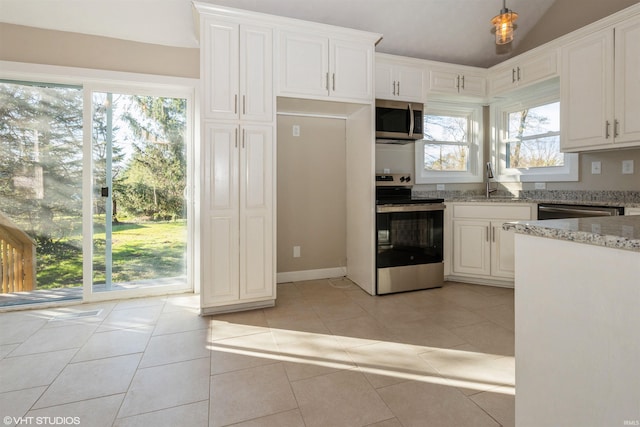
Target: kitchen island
{"type": "Point", "coordinates": [577, 324]}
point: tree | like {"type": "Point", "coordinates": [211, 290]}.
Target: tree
{"type": "Point", "coordinates": [41, 151]}
{"type": "Point", "coordinates": [153, 181]}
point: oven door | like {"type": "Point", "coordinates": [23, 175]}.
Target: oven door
{"type": "Point", "coordinates": [409, 234]}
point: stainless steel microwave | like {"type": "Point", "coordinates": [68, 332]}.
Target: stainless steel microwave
{"type": "Point", "coordinates": [398, 122]}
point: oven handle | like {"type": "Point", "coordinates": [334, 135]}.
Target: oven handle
{"type": "Point", "coordinates": [410, 208]}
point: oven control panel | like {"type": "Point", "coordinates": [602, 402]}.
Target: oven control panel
{"type": "Point", "coordinates": [393, 179]}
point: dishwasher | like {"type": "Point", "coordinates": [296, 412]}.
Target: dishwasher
{"type": "Point", "coordinates": [561, 211]}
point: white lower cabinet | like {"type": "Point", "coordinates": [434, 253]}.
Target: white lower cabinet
{"type": "Point", "coordinates": [481, 249]}
{"type": "Point", "coordinates": [238, 218]}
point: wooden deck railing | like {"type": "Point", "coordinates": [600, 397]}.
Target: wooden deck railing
{"type": "Point", "coordinates": [17, 258]}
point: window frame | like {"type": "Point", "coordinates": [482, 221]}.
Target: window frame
{"type": "Point", "coordinates": [499, 112]}
{"type": "Point", "coordinates": [90, 81]}
{"type": "Point", "coordinates": [473, 112]}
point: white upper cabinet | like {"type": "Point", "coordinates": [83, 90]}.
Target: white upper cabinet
{"type": "Point", "coordinates": [523, 71]}
{"type": "Point", "coordinates": [396, 80]}
{"type": "Point", "coordinates": [304, 64]}
{"type": "Point", "coordinates": [315, 66]}
{"type": "Point", "coordinates": [238, 71]}
{"type": "Point", "coordinates": [627, 82]}
{"type": "Point", "coordinates": [600, 89]}
{"type": "Point", "coordinates": [466, 81]}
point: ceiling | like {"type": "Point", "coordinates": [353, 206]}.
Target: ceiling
{"type": "Point", "coordinates": [456, 31]}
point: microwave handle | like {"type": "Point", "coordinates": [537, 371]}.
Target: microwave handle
{"type": "Point", "coordinates": [411, 121]}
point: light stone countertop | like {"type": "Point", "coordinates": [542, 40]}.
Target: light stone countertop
{"type": "Point", "coordinates": [629, 199]}
{"type": "Point", "coordinates": [620, 232]}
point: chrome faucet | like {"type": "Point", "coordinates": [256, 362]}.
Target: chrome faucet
{"type": "Point", "coordinates": [489, 190]}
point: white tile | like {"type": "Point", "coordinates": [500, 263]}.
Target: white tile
{"type": "Point", "coordinates": [52, 339]}
{"type": "Point", "coordinates": [87, 380]}
{"type": "Point", "coordinates": [283, 419]}
{"type": "Point", "coordinates": [99, 412]}
{"type": "Point", "coordinates": [250, 393]}
{"type": "Point", "coordinates": [179, 321]}
{"type": "Point", "coordinates": [488, 337]}
{"type": "Point", "coordinates": [18, 327]}
{"type": "Point", "coordinates": [339, 399]}
{"type": "Point", "coordinates": [163, 349]}
{"type": "Point", "coordinates": [129, 317]}
{"type": "Point", "coordinates": [192, 415]}
{"type": "Point", "coordinates": [166, 386]}
{"type": "Point", "coordinates": [233, 354]}
{"type": "Point", "coordinates": [421, 404]}
{"type": "Point", "coordinates": [387, 363]}
{"type": "Point", "coordinates": [499, 403]}
{"type": "Point", "coordinates": [6, 349]}
{"type": "Point", "coordinates": [472, 372]}
{"type": "Point", "coordinates": [113, 343]}
{"type": "Point", "coordinates": [16, 404]}
{"type": "Point", "coordinates": [32, 370]}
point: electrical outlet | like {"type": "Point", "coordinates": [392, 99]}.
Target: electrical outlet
{"type": "Point", "coordinates": [440, 187]}
{"type": "Point", "coordinates": [296, 130]}
{"type": "Point", "coordinates": [296, 251]}
{"type": "Point", "coordinates": [627, 167]}
{"type": "Point", "coordinates": [541, 186]}
{"type": "Point", "coordinates": [386, 171]}
{"type": "Point", "coordinates": [596, 168]}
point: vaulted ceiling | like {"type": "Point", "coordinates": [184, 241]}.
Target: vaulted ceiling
{"type": "Point", "coordinates": [456, 31]}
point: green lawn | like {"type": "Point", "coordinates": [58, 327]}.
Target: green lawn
{"type": "Point", "coordinates": [142, 250]}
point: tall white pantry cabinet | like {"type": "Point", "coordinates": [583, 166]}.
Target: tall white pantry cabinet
{"type": "Point", "coordinates": [237, 161]}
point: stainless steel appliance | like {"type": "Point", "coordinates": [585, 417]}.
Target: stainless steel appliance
{"type": "Point", "coordinates": [409, 237]}
{"type": "Point", "coordinates": [398, 122]}
{"type": "Point", "coordinates": [560, 211]}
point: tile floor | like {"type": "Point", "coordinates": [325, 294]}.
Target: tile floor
{"type": "Point", "coordinates": [327, 355]}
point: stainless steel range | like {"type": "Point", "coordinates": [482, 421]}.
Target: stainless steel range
{"type": "Point", "coordinates": [409, 237]}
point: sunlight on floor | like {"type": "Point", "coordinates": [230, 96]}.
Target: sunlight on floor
{"type": "Point", "coordinates": [449, 367]}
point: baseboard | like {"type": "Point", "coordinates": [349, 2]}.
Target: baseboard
{"type": "Point", "coordinates": [481, 281]}
{"type": "Point", "coordinates": [323, 273]}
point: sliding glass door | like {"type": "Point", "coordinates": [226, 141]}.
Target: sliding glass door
{"type": "Point", "coordinates": [139, 181]}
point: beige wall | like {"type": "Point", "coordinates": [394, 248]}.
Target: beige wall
{"type": "Point", "coordinates": [39, 46]}
{"type": "Point", "coordinates": [565, 16]}
{"type": "Point", "coordinates": [311, 193]}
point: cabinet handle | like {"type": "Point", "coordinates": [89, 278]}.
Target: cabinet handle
{"type": "Point", "coordinates": [458, 83]}
{"type": "Point", "coordinates": [462, 82]}
{"type": "Point", "coordinates": [398, 87]}
{"type": "Point", "coordinates": [394, 88]}
{"type": "Point", "coordinates": [513, 75]}
{"type": "Point", "coordinates": [327, 81]}
{"type": "Point", "coordinates": [493, 234]}
{"type": "Point", "coordinates": [487, 233]}
{"type": "Point", "coordinates": [235, 104]}
{"type": "Point", "coordinates": [244, 104]}
{"type": "Point", "coordinates": [606, 129]}
{"type": "Point", "coordinates": [236, 137]}
{"type": "Point", "coordinates": [244, 134]}
{"type": "Point", "coordinates": [518, 73]}
{"type": "Point", "coordinates": [616, 125]}
{"type": "Point", "coordinates": [334, 81]}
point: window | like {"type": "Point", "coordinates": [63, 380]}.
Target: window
{"type": "Point", "coordinates": [96, 177]}
{"type": "Point", "coordinates": [450, 150]}
{"type": "Point", "coordinates": [527, 146]}
{"type": "Point", "coordinates": [41, 185]}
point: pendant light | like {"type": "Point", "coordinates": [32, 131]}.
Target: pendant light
{"type": "Point", "coordinates": [503, 24]}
